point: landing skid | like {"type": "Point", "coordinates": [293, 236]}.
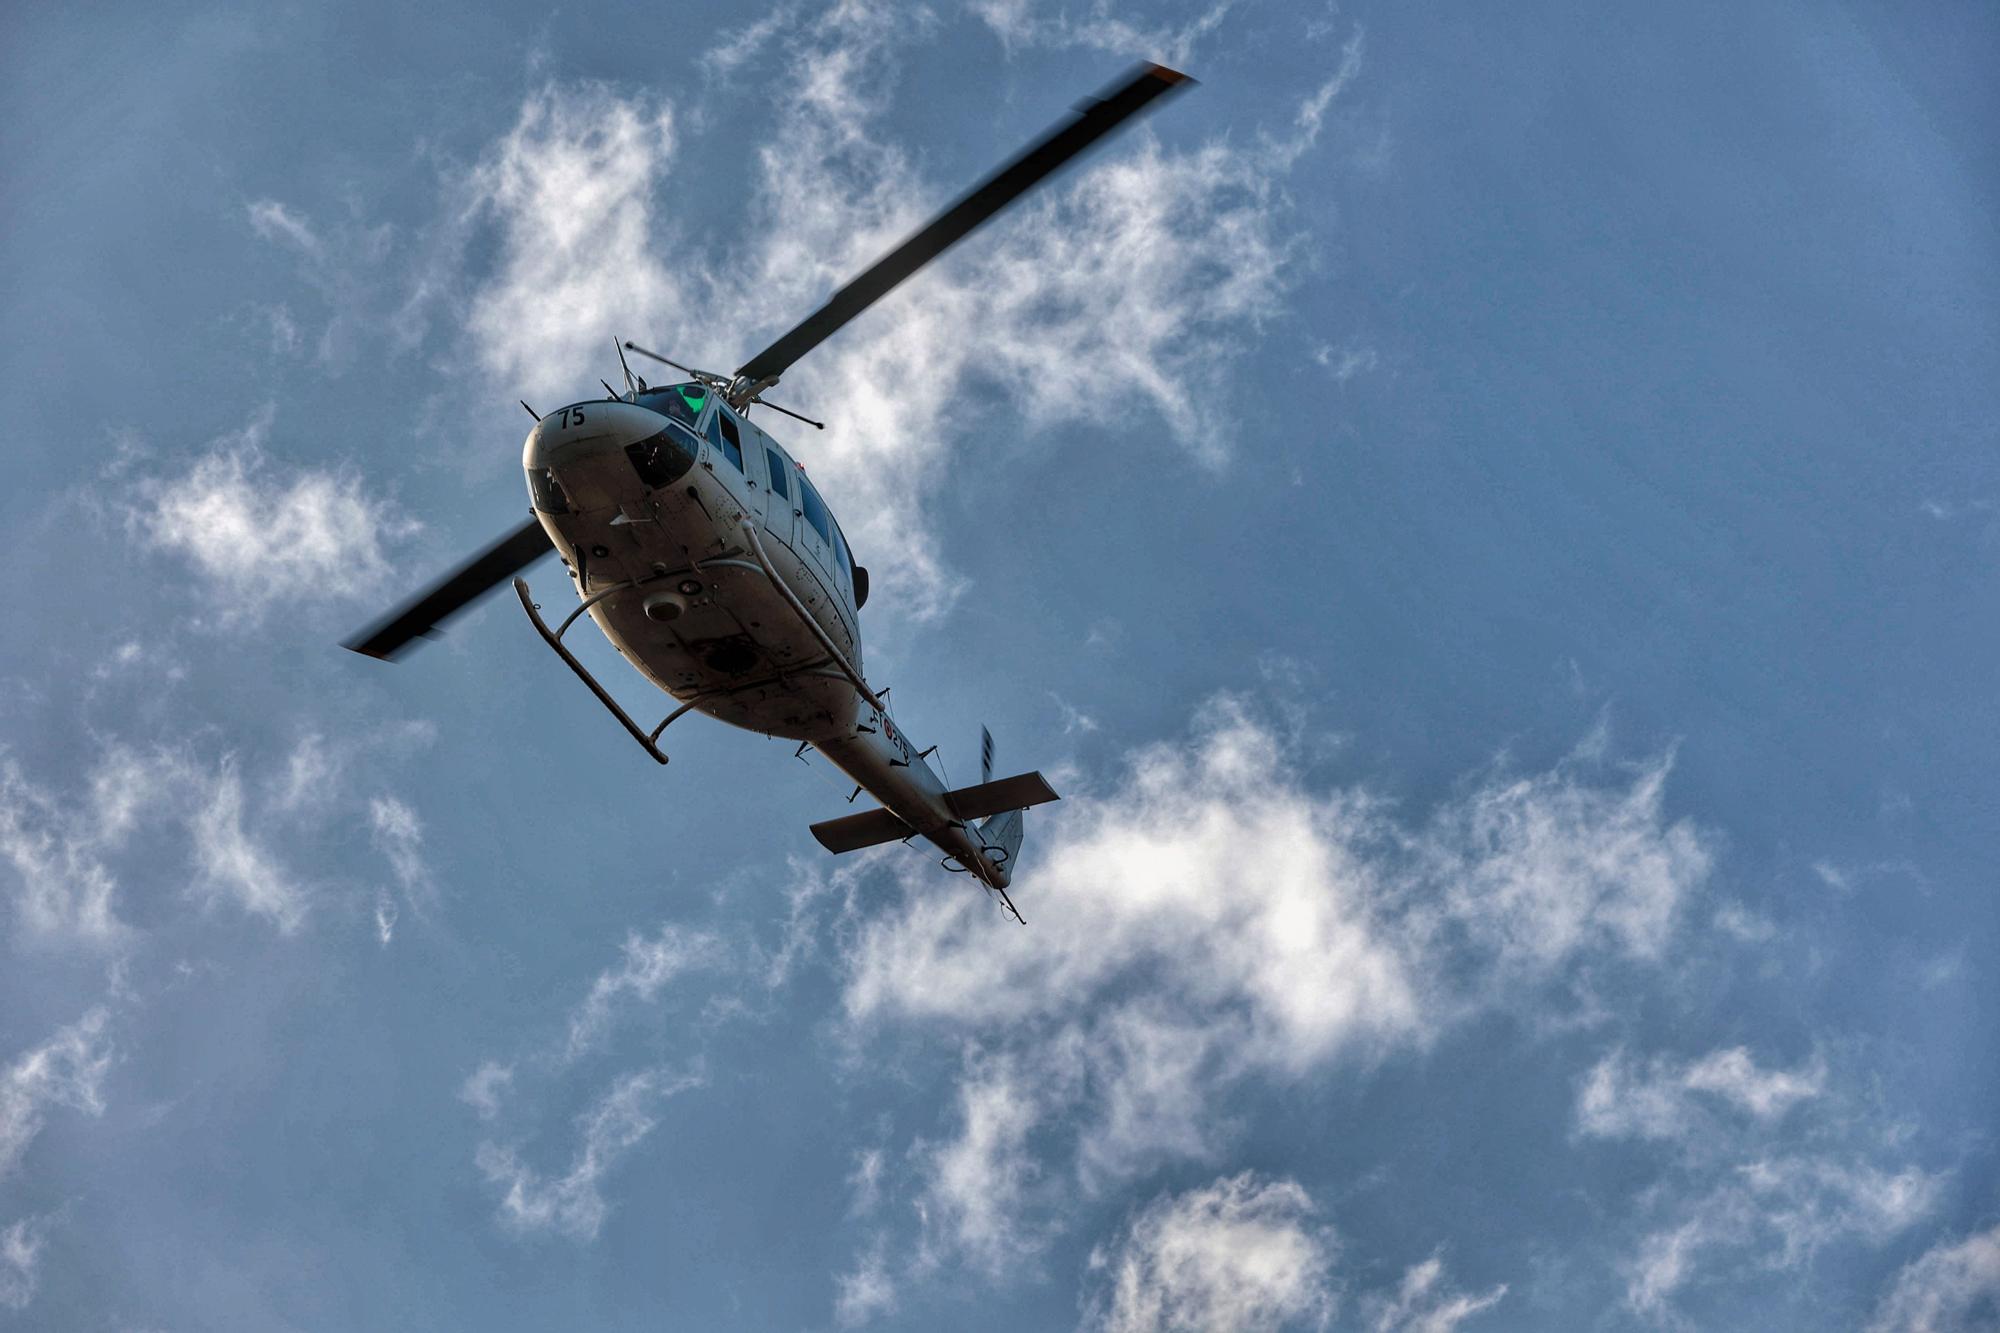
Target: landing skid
{"type": "Point", "coordinates": [554, 640]}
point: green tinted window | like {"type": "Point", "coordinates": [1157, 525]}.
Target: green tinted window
{"type": "Point", "coordinates": [682, 402]}
{"type": "Point", "coordinates": [778, 482]}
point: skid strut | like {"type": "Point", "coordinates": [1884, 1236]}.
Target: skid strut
{"type": "Point", "coordinates": [554, 640]}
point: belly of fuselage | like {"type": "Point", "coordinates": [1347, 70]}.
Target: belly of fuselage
{"type": "Point", "coordinates": [698, 616]}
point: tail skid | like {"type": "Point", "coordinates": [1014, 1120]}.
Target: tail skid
{"type": "Point", "coordinates": [1000, 841]}
{"type": "Point", "coordinates": [983, 835]}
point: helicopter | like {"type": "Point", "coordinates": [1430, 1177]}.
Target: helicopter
{"type": "Point", "coordinates": [700, 548]}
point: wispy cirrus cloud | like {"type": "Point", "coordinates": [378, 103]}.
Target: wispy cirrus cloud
{"type": "Point", "coordinates": [231, 825]}
{"type": "Point", "coordinates": [1664, 1099]}
{"type": "Point", "coordinates": [1425, 1301]}
{"type": "Point", "coordinates": [20, 1262]}
{"type": "Point", "coordinates": [63, 887]}
{"type": "Point", "coordinates": [260, 533]}
{"type": "Point", "coordinates": [1769, 1164]}
{"type": "Point", "coordinates": [399, 836]}
{"type": "Point", "coordinates": [485, 1086]}
{"type": "Point", "coordinates": [868, 1290]}
{"type": "Point", "coordinates": [1029, 24]}
{"type": "Point", "coordinates": [274, 221]}
{"type": "Point", "coordinates": [1953, 1287]}
{"type": "Point", "coordinates": [573, 1203]}
{"type": "Point", "coordinates": [571, 192]}
{"type": "Point", "coordinates": [645, 967]}
{"type": "Point", "coordinates": [66, 1070]}
{"type": "Point", "coordinates": [345, 261]}
{"type": "Point", "coordinates": [1242, 1253]}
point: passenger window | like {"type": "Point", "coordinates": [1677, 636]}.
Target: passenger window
{"type": "Point", "coordinates": [777, 466]}
{"type": "Point", "coordinates": [722, 433]}
{"type": "Point", "coordinates": [841, 559]}
{"type": "Point", "coordinates": [815, 510]}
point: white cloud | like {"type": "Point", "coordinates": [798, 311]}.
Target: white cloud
{"type": "Point", "coordinates": [1540, 870]}
{"type": "Point", "coordinates": [1132, 279]}
{"type": "Point", "coordinates": [977, 1182]}
{"type": "Point", "coordinates": [747, 42]}
{"type": "Point", "coordinates": [1209, 863]}
{"type": "Point", "coordinates": [484, 1087]}
{"type": "Point", "coordinates": [1777, 1213]}
{"type": "Point", "coordinates": [1212, 920]}
{"type": "Point", "coordinates": [261, 534]}
{"type": "Point", "coordinates": [1662, 1264]}
{"type": "Point", "coordinates": [1024, 23]}
{"type": "Point", "coordinates": [20, 1259]}
{"type": "Point", "coordinates": [865, 1183]}
{"type": "Point", "coordinates": [64, 888]}
{"type": "Point", "coordinates": [1425, 1302]}
{"type": "Point", "coordinates": [1739, 922]}
{"type": "Point", "coordinates": [1620, 1098]}
{"type": "Point", "coordinates": [866, 1292]}
{"type": "Point", "coordinates": [273, 221]}
{"type": "Point", "coordinates": [644, 968]}
{"type": "Point", "coordinates": [342, 261]}
{"type": "Point", "coordinates": [143, 806]}
{"type": "Point", "coordinates": [1074, 719]}
{"type": "Point", "coordinates": [1241, 1254]}
{"type": "Point", "coordinates": [233, 865]}
{"type": "Point", "coordinates": [572, 187]}
{"type": "Point", "coordinates": [1810, 1200]}
{"type": "Point", "coordinates": [399, 836]}
{"type": "Point", "coordinates": [572, 1203]}
{"type": "Point", "coordinates": [1347, 360]}
{"type": "Point", "coordinates": [66, 1070]}
{"type": "Point", "coordinates": [1769, 1166]}
{"type": "Point", "coordinates": [1951, 1288]}
{"type": "Point", "coordinates": [1312, 115]}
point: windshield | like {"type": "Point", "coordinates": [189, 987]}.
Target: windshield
{"type": "Point", "coordinates": [682, 402]}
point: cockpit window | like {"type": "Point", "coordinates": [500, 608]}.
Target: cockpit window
{"type": "Point", "coordinates": [548, 494]}
{"type": "Point", "coordinates": [722, 434]}
{"type": "Point", "coordinates": [682, 402]}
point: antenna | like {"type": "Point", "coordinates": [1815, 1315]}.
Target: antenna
{"type": "Point", "coordinates": [765, 402]}
{"type": "Point", "coordinates": [707, 377]}
{"type": "Point", "coordinates": [622, 366]}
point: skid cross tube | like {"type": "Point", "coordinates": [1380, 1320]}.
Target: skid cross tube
{"type": "Point", "coordinates": [549, 637]}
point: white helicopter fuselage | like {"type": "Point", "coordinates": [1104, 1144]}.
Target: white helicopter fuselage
{"type": "Point", "coordinates": [654, 512]}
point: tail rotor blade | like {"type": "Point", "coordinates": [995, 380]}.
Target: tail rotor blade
{"type": "Point", "coordinates": [1095, 118]}
{"type": "Point", "coordinates": [423, 614]}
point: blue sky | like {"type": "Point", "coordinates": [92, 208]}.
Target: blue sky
{"type": "Point", "coordinates": [1488, 518]}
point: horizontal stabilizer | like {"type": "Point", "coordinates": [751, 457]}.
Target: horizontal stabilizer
{"type": "Point", "coordinates": [991, 798]}
{"type": "Point", "coordinates": [853, 832]}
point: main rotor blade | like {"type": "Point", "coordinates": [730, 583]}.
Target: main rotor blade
{"type": "Point", "coordinates": [1095, 118]}
{"type": "Point", "coordinates": [421, 615]}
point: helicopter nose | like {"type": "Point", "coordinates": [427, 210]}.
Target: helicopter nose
{"type": "Point", "coordinates": [583, 431]}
